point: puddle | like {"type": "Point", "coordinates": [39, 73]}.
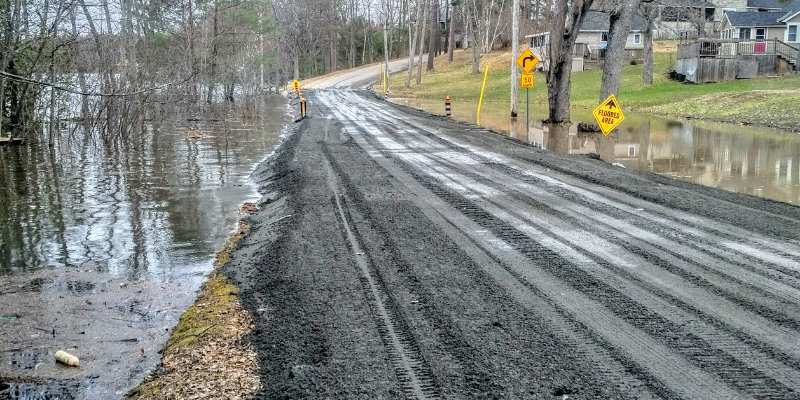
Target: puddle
{"type": "Point", "coordinates": [759, 161]}
{"type": "Point", "coordinates": [102, 247]}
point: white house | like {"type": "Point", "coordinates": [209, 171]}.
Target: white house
{"type": "Point", "coordinates": [592, 40]}
{"type": "Point", "coordinates": [763, 20]}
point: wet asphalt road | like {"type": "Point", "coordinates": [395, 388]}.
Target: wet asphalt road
{"type": "Point", "coordinates": [403, 255]}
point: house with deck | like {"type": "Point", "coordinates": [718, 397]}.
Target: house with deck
{"type": "Point", "coordinates": [764, 20]}
{"type": "Point", "coordinates": [591, 43]}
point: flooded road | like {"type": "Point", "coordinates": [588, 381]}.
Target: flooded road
{"type": "Point", "coordinates": [103, 246]}
{"type": "Point", "coordinates": [758, 161]}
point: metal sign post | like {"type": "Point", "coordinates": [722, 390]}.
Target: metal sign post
{"type": "Point", "coordinates": [527, 118]}
{"type": "Point", "coordinates": [526, 81]}
{"type": "Point", "coordinates": [527, 61]}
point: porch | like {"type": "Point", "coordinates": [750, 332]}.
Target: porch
{"type": "Point", "coordinates": [715, 60]}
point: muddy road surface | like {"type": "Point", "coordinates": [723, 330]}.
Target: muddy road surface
{"type": "Point", "coordinates": [403, 255]}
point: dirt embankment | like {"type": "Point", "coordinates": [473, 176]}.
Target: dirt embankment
{"type": "Point", "coordinates": [209, 353]}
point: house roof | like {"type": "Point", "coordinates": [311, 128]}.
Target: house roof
{"type": "Point", "coordinates": [755, 18]}
{"type": "Point", "coordinates": [768, 4]}
{"type": "Point", "coordinates": [686, 3]}
{"type": "Point", "coordinates": [791, 9]}
{"type": "Point", "coordinates": [599, 21]}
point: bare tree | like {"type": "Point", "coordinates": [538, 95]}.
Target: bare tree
{"type": "Point", "coordinates": [422, 40]}
{"type": "Point", "coordinates": [621, 14]}
{"type": "Point", "coordinates": [566, 22]}
{"type": "Point", "coordinates": [433, 34]}
{"type": "Point", "coordinates": [473, 24]}
{"type": "Point", "coordinates": [416, 36]}
{"type": "Point", "coordinates": [649, 13]}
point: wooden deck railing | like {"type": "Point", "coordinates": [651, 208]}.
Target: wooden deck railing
{"type": "Point", "coordinates": [717, 48]}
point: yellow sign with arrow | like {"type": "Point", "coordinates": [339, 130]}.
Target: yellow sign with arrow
{"type": "Point", "coordinates": [296, 85]}
{"type": "Point", "coordinates": [527, 61]}
{"type": "Point", "coordinates": [609, 114]}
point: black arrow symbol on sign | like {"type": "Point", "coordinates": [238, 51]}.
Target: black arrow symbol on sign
{"type": "Point", "coordinates": [525, 60]}
{"type": "Point", "coordinates": [611, 104]}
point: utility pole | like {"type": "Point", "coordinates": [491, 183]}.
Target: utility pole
{"type": "Point", "coordinates": [385, 50]}
{"type": "Point", "coordinates": [515, 54]}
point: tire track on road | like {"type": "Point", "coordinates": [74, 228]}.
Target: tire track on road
{"type": "Point", "coordinates": [411, 368]}
{"type": "Point", "coordinates": [687, 343]}
{"type": "Point", "coordinates": [744, 293]}
{"type": "Point", "coordinates": [657, 359]}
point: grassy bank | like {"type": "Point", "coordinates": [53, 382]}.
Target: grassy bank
{"type": "Point", "coordinates": [206, 356]}
{"type": "Point", "coordinates": [751, 101]}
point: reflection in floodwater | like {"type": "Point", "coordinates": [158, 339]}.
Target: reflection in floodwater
{"type": "Point", "coordinates": [103, 245]}
{"type": "Point", "coordinates": [157, 203]}
{"type": "Point", "coordinates": [758, 161]}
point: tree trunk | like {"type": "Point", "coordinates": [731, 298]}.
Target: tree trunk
{"type": "Point", "coordinates": [422, 40]}
{"type": "Point", "coordinates": [514, 55]}
{"type": "Point", "coordinates": [450, 36]}
{"type": "Point", "coordinates": [334, 53]}
{"type": "Point", "coordinates": [476, 50]}
{"type": "Point", "coordinates": [563, 34]}
{"type": "Point", "coordinates": [647, 37]}
{"type": "Point", "coordinates": [191, 58]}
{"type": "Point", "coordinates": [434, 33]}
{"type": "Point", "coordinates": [620, 18]}
{"type": "Point", "coordinates": [6, 55]}
{"type": "Point", "coordinates": [213, 73]}
{"type": "Point", "coordinates": [413, 47]}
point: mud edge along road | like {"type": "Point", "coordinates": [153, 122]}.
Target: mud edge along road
{"type": "Point", "coordinates": [403, 255]}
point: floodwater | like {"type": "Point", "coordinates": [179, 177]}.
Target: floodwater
{"type": "Point", "coordinates": [762, 162]}
{"type": "Point", "coordinates": [103, 247]}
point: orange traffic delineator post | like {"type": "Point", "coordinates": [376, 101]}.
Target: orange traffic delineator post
{"type": "Point", "coordinates": [448, 110]}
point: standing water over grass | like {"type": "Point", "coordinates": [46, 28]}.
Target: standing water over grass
{"type": "Point", "coordinates": [102, 246]}
{"type": "Point", "coordinates": [758, 161]}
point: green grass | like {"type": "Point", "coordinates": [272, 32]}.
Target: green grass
{"type": "Point", "coordinates": [665, 97]}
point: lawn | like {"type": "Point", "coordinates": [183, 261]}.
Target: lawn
{"type": "Point", "coordinates": [762, 101]}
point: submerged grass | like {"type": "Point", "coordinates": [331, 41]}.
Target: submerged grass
{"type": "Point", "coordinates": [206, 355]}
{"type": "Point", "coordinates": [759, 97]}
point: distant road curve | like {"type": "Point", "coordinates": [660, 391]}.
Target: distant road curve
{"type": "Point", "coordinates": [356, 78]}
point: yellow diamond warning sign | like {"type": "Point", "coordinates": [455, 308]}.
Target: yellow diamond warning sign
{"type": "Point", "coordinates": [609, 115]}
{"type": "Point", "coordinates": [527, 61]}
{"type": "Point", "coordinates": [296, 85]}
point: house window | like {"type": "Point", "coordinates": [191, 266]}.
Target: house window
{"type": "Point", "coordinates": [637, 38]}
{"type": "Point", "coordinates": [744, 33]}
{"type": "Point", "coordinates": [761, 33]}
{"type": "Point", "coordinates": [604, 37]}
{"type": "Point", "coordinates": [792, 33]}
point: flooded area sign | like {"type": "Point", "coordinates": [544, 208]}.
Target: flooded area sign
{"type": "Point", "coordinates": [296, 86]}
{"type": "Point", "coordinates": [609, 114]}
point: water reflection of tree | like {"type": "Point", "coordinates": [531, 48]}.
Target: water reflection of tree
{"type": "Point", "coordinates": [120, 205]}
